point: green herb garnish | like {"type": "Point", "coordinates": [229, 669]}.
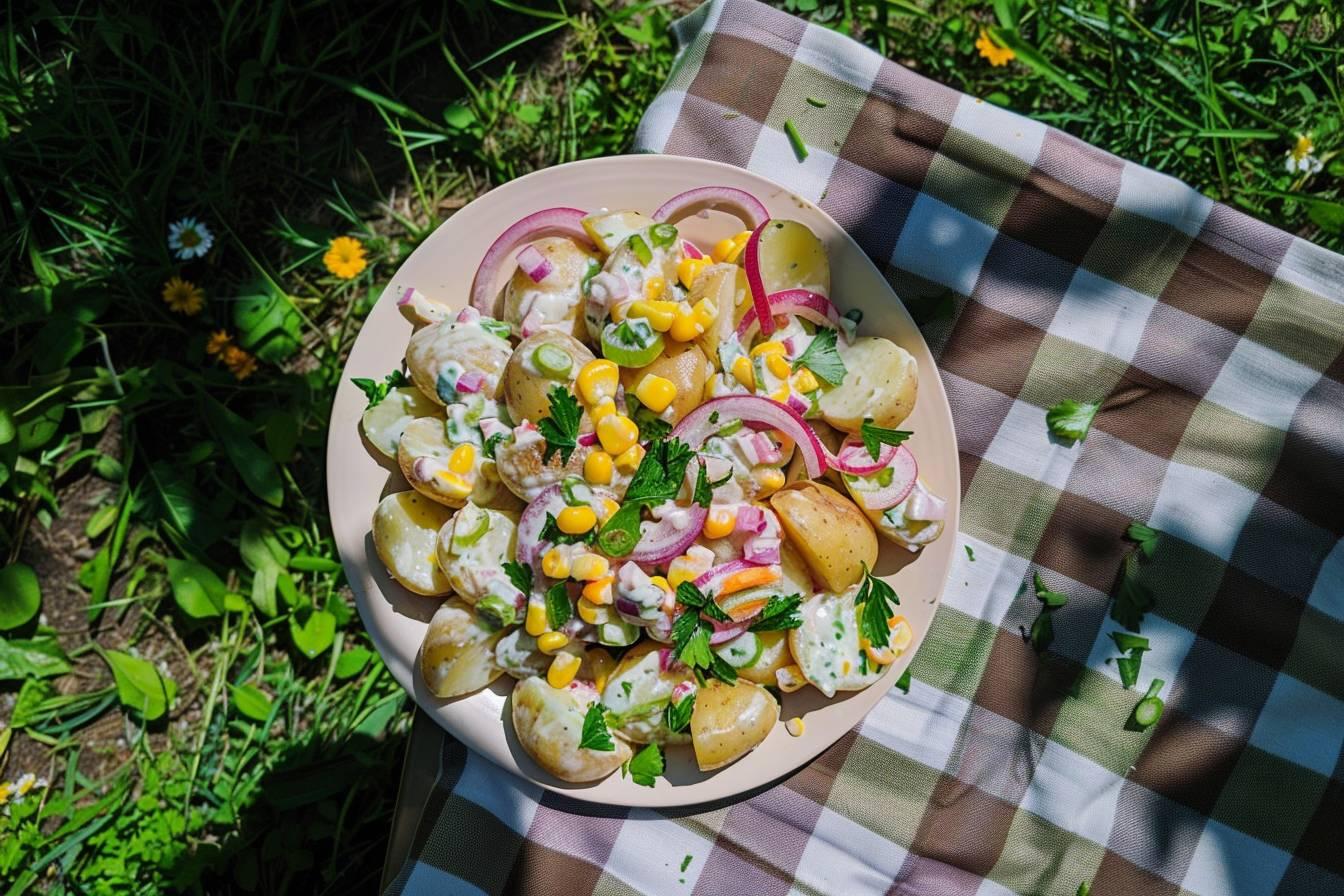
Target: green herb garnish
{"type": "Point", "coordinates": [904, 681]}
{"type": "Point", "coordinates": [1128, 666]}
{"type": "Point", "coordinates": [677, 716]}
{"type": "Point", "coordinates": [641, 249]}
{"type": "Point", "coordinates": [813, 101]}
{"type": "Point", "coordinates": [627, 687]}
{"type": "Point", "coordinates": [558, 607]}
{"type": "Point", "coordinates": [690, 634]}
{"type": "Point", "coordinates": [519, 575]}
{"type": "Point", "coordinates": [1146, 537]}
{"type": "Point", "coordinates": [561, 428]}
{"type": "Point", "coordinates": [780, 614]}
{"type": "Point", "coordinates": [686, 862]}
{"type": "Point", "coordinates": [822, 358]}
{"type": "Point", "coordinates": [376, 391]}
{"type": "Point", "coordinates": [1071, 419]}
{"type": "Point", "coordinates": [796, 140]}
{"type": "Point", "coordinates": [651, 426]}
{"type": "Point", "coordinates": [1148, 711]}
{"type": "Point", "coordinates": [970, 554]}
{"type": "Point", "coordinates": [1042, 633]}
{"type": "Point", "coordinates": [874, 604]}
{"type": "Point", "coordinates": [690, 596]}
{"type": "Point", "coordinates": [874, 437]}
{"type": "Point", "coordinates": [595, 735]}
{"type": "Point", "coordinates": [660, 473]}
{"type": "Point", "coordinates": [1132, 598]}
{"type": "Point", "coordinates": [646, 765]}
{"type": "Point", "coordinates": [703, 493]}
{"type": "Point", "coordinates": [492, 443]}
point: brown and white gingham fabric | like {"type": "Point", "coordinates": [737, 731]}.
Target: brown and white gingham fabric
{"type": "Point", "coordinates": [1216, 346]}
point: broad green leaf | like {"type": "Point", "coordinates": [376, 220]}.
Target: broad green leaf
{"type": "Point", "coordinates": [38, 426]}
{"type": "Point", "coordinates": [35, 658]}
{"type": "Point", "coordinates": [267, 324]}
{"type": "Point", "coordinates": [263, 590]}
{"type": "Point", "coordinates": [1329, 216]}
{"type": "Point", "coordinates": [352, 662]}
{"type": "Point", "coordinates": [261, 548]}
{"type": "Point", "coordinates": [7, 428]}
{"type": "Point", "coordinates": [33, 697]}
{"type": "Point", "coordinates": [20, 595]}
{"type": "Point", "coordinates": [100, 519]}
{"type": "Point", "coordinates": [181, 508]}
{"type": "Point", "coordinates": [281, 435]}
{"type": "Point", "coordinates": [312, 563]}
{"type": "Point", "coordinates": [140, 687]}
{"type": "Point", "coordinates": [196, 588]}
{"type": "Point", "coordinates": [259, 472]}
{"type": "Point", "coordinates": [251, 701]}
{"type": "Point", "coordinates": [314, 634]}
{"type": "Point", "coordinates": [56, 343]}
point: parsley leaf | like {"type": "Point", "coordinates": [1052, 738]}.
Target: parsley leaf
{"type": "Point", "coordinates": [969, 553]}
{"type": "Point", "coordinates": [519, 575]}
{"type": "Point", "coordinates": [561, 428]}
{"type": "Point", "coordinates": [627, 687]}
{"type": "Point", "coordinates": [1145, 535]}
{"type": "Point", "coordinates": [646, 765]}
{"type": "Point", "coordinates": [1051, 599]}
{"type": "Point", "coordinates": [822, 358]}
{"type": "Point", "coordinates": [722, 669]}
{"type": "Point", "coordinates": [703, 493]}
{"type": "Point", "coordinates": [1128, 666]}
{"type": "Point", "coordinates": [1132, 598]}
{"type": "Point", "coordinates": [651, 426]}
{"type": "Point", "coordinates": [1130, 643]}
{"type": "Point", "coordinates": [691, 596]}
{"type": "Point", "coordinates": [1071, 419]}
{"type": "Point", "coordinates": [551, 533]}
{"type": "Point", "coordinates": [1042, 633]}
{"type": "Point", "coordinates": [660, 473]}
{"type": "Point", "coordinates": [558, 607]}
{"type": "Point", "coordinates": [677, 716]}
{"type": "Point", "coordinates": [376, 391]}
{"type": "Point", "coordinates": [875, 436]}
{"type": "Point", "coordinates": [690, 634]}
{"type": "Point", "coordinates": [595, 734]}
{"type": "Point", "coordinates": [492, 443]}
{"type": "Point", "coordinates": [904, 681]}
{"type": "Point", "coordinates": [694, 650]}
{"type": "Point", "coordinates": [876, 597]}
{"type": "Point", "coordinates": [780, 613]}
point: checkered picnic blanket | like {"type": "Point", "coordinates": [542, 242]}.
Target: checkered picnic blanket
{"type": "Point", "coordinates": [1214, 343]}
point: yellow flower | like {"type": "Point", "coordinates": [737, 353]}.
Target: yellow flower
{"type": "Point", "coordinates": [994, 52]}
{"type": "Point", "coordinates": [241, 364]}
{"type": "Point", "coordinates": [345, 257]}
{"type": "Point", "coordinates": [1300, 159]}
{"type": "Point", "coordinates": [6, 791]}
{"type": "Point", "coordinates": [218, 341]}
{"type": "Point", "coordinates": [183, 296]}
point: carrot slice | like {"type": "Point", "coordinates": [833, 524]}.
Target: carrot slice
{"type": "Point", "coordinates": [747, 609]}
{"type": "Point", "coordinates": [748, 578]}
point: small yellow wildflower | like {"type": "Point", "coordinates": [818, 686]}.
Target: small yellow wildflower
{"type": "Point", "coordinates": [345, 257]}
{"type": "Point", "coordinates": [1301, 158]}
{"type": "Point", "coordinates": [218, 341]}
{"type": "Point", "coordinates": [996, 53]}
{"type": "Point", "coordinates": [6, 791]}
{"type": "Point", "coordinates": [183, 296]}
{"type": "Point", "coordinates": [240, 363]}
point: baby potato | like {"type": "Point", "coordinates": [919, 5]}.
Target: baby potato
{"type": "Point", "coordinates": [726, 286]}
{"type": "Point", "coordinates": [517, 654]}
{"type": "Point", "coordinates": [774, 655]}
{"type": "Point", "coordinates": [826, 646]}
{"type": "Point", "coordinates": [405, 530]}
{"type": "Point", "coordinates": [472, 548]}
{"type": "Point", "coordinates": [549, 723]}
{"type": "Point", "coordinates": [423, 453]}
{"type": "Point", "coordinates": [791, 257]}
{"type": "Point", "coordinates": [907, 523]}
{"type": "Point", "coordinates": [729, 721]}
{"type": "Point", "coordinates": [881, 382]}
{"type": "Point", "coordinates": [387, 420]}
{"type": "Point", "coordinates": [458, 654]}
{"type": "Point", "coordinates": [439, 353]}
{"type": "Point", "coordinates": [520, 467]}
{"type": "Point", "coordinates": [555, 302]}
{"type": "Point", "coordinates": [834, 537]}
{"type": "Point", "coordinates": [639, 711]}
{"type": "Point", "coordinates": [527, 387]}
{"type": "Point", "coordinates": [685, 366]}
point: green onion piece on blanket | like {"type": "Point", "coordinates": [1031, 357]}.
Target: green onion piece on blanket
{"type": "Point", "coordinates": [799, 147]}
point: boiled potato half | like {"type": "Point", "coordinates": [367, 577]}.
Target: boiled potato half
{"type": "Point", "coordinates": [774, 655]}
{"type": "Point", "coordinates": [881, 382]}
{"type": "Point", "coordinates": [556, 302]}
{"type": "Point", "coordinates": [439, 353]}
{"type": "Point", "coordinates": [729, 721]}
{"type": "Point", "coordinates": [826, 646]}
{"type": "Point", "coordinates": [726, 286]}
{"type": "Point", "coordinates": [527, 385]}
{"type": "Point", "coordinates": [549, 723]}
{"type": "Point", "coordinates": [638, 708]}
{"type": "Point", "coordinates": [836, 540]}
{"type": "Point", "coordinates": [458, 654]}
{"type": "Point", "coordinates": [387, 420]}
{"type": "Point", "coordinates": [405, 533]}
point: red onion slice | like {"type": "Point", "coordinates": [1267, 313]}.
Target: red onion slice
{"type": "Point", "coordinates": [738, 203]}
{"type": "Point", "coordinates": [727, 631]}
{"type": "Point", "coordinates": [533, 520]}
{"type": "Point", "coordinates": [696, 427]}
{"type": "Point", "coordinates": [691, 250]}
{"type": "Point", "coordinates": [853, 457]}
{"type": "Point", "coordinates": [661, 541]}
{"type": "Point", "coordinates": [751, 263]}
{"type": "Point", "coordinates": [904, 473]}
{"type": "Point", "coordinates": [812, 306]}
{"type": "Point", "coordinates": [533, 263]}
{"type": "Point", "coordinates": [470, 381]}
{"type": "Point", "coordinates": [547, 222]}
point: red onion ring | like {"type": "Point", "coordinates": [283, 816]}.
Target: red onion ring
{"type": "Point", "coordinates": [738, 203]}
{"type": "Point", "coordinates": [547, 222]}
{"type": "Point", "coordinates": [853, 457]}
{"type": "Point", "coordinates": [808, 305]}
{"type": "Point", "coordinates": [751, 263]}
{"type": "Point", "coordinates": [661, 541]}
{"type": "Point", "coordinates": [727, 631]}
{"type": "Point", "coordinates": [533, 520]}
{"type": "Point", "coordinates": [904, 473]}
{"type": "Point", "coordinates": [691, 250]}
{"type": "Point", "coordinates": [695, 427]}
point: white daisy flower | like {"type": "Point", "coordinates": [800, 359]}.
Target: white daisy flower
{"type": "Point", "coordinates": [189, 238]}
{"type": "Point", "coordinates": [1300, 159]}
{"type": "Point", "coordinates": [26, 783]}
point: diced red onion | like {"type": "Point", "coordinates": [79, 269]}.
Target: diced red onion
{"type": "Point", "coordinates": [491, 427]}
{"type": "Point", "coordinates": [750, 519]}
{"type": "Point", "coordinates": [761, 550]}
{"type": "Point", "coordinates": [696, 427]}
{"type": "Point", "coordinates": [738, 203]}
{"type": "Point", "coordinates": [547, 222]}
{"type": "Point", "coordinates": [587, 439]}
{"type": "Point", "coordinates": [853, 457]}
{"type": "Point", "coordinates": [470, 382]}
{"type": "Point", "coordinates": [663, 540]}
{"type": "Point", "coordinates": [788, 346]}
{"type": "Point", "coordinates": [810, 306]}
{"type": "Point", "coordinates": [682, 689]}
{"type": "Point", "coordinates": [767, 452]}
{"type": "Point", "coordinates": [530, 324]}
{"type": "Point", "coordinates": [534, 264]}
{"type": "Point", "coordinates": [626, 607]}
{"type": "Point", "coordinates": [797, 403]}
{"type": "Point", "coordinates": [691, 250]}
{"type": "Point", "coordinates": [727, 631]}
{"type": "Point", "coordinates": [668, 662]}
{"type": "Point", "coordinates": [468, 315]}
{"type": "Point", "coordinates": [924, 505]}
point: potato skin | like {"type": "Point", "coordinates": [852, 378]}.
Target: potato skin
{"type": "Point", "coordinates": [433, 348]}
{"type": "Point", "coordinates": [458, 653]}
{"type": "Point", "coordinates": [882, 382]}
{"type": "Point", "coordinates": [405, 530]}
{"type": "Point", "coordinates": [831, 533]}
{"type": "Point", "coordinates": [685, 365]}
{"type": "Point", "coordinates": [729, 721]}
{"type": "Point", "coordinates": [557, 301]}
{"type": "Point", "coordinates": [525, 392]}
{"type": "Point", "coordinates": [549, 723]}
{"type": "Point", "coordinates": [387, 420]}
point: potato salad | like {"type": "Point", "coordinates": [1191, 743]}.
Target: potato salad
{"type": "Point", "coordinates": [647, 480]}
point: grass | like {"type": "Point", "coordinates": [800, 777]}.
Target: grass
{"type": "Point", "coordinates": [195, 687]}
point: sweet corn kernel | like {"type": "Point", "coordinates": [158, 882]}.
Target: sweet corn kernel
{"type": "Point", "coordinates": [778, 365]}
{"type": "Point", "coordinates": [845, 667]}
{"type": "Point", "coordinates": [770, 481]}
{"type": "Point", "coordinates": [599, 665]}
{"type": "Point", "coordinates": [555, 564]}
{"type": "Point", "coordinates": [705, 312]}
{"type": "Point", "coordinates": [598, 380]}
{"type": "Point", "coordinates": [597, 466]}
{"type": "Point", "coordinates": [781, 395]}
{"type": "Point", "coordinates": [688, 269]}
{"type": "Point", "coordinates": [901, 634]}
{"type": "Point", "coordinates": [628, 460]}
{"type": "Point", "coordinates": [653, 287]}
{"type": "Point", "coordinates": [563, 669]}
{"type": "Point", "coordinates": [454, 485]}
{"type": "Point", "coordinates": [682, 569]}
{"type": "Point", "coordinates": [790, 678]}
{"type": "Point", "coordinates": [550, 642]}
{"type": "Point", "coordinates": [617, 433]}
{"type": "Point", "coordinates": [795, 726]}
{"type": "Point", "coordinates": [606, 507]}
{"type": "Point", "coordinates": [740, 241]}
{"type": "Point", "coordinates": [655, 392]}
{"type": "Point", "coordinates": [659, 314]}
{"type": "Point", "coordinates": [535, 623]}
{"type": "Point", "coordinates": [576, 520]}
{"type": "Point", "coordinates": [772, 347]}
{"type": "Point", "coordinates": [604, 408]}
{"type": "Point", "coordinates": [805, 381]}
{"type": "Point", "coordinates": [685, 327]}
{"type": "Point", "coordinates": [462, 459]}
{"type": "Point", "coordinates": [723, 250]}
{"type": "Point", "coordinates": [720, 522]}
{"type": "Point", "coordinates": [619, 310]}
{"type": "Point", "coordinates": [661, 582]}
{"type": "Point", "coordinates": [590, 567]}
{"type": "Point", "coordinates": [598, 591]}
{"type": "Point", "coordinates": [589, 612]}
{"type": "Point", "coordinates": [743, 373]}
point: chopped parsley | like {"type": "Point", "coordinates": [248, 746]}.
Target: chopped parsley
{"type": "Point", "coordinates": [1144, 535]}
{"type": "Point", "coordinates": [660, 473]}
{"type": "Point", "coordinates": [492, 443]}
{"type": "Point", "coordinates": [376, 391]}
{"type": "Point", "coordinates": [595, 734]}
{"type": "Point", "coordinates": [874, 604]}
{"type": "Point", "coordinates": [1042, 633]}
{"type": "Point", "coordinates": [691, 596]}
{"type": "Point", "coordinates": [1071, 419]}
{"type": "Point", "coordinates": [678, 715]}
{"type": "Point", "coordinates": [874, 437]}
{"type": "Point", "coordinates": [558, 608]}
{"type": "Point", "coordinates": [1128, 666]}
{"type": "Point", "coordinates": [703, 494]}
{"type": "Point", "coordinates": [970, 554]}
{"type": "Point", "coordinates": [686, 862]}
{"type": "Point", "coordinates": [646, 765]}
{"type": "Point", "coordinates": [813, 101]}
{"type": "Point", "coordinates": [904, 681]}
{"type": "Point", "coordinates": [822, 358]}
{"type": "Point", "coordinates": [651, 426]}
{"type": "Point", "coordinates": [780, 614]}
{"type": "Point", "coordinates": [561, 428]}
{"type": "Point", "coordinates": [1132, 598]}
{"type": "Point", "coordinates": [627, 687]}
{"type": "Point", "coordinates": [551, 533]}
{"type": "Point", "coordinates": [519, 575]}
{"type": "Point", "coordinates": [691, 632]}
